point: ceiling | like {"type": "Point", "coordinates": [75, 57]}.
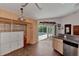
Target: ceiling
{"type": "Point", "coordinates": [48, 10]}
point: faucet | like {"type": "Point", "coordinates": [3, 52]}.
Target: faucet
{"type": "Point", "coordinates": [65, 36]}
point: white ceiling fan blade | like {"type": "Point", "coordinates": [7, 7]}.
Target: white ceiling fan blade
{"type": "Point", "coordinates": [37, 6]}
{"type": "Point", "coordinates": [25, 5]}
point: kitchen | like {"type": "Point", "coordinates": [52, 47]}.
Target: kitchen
{"type": "Point", "coordinates": [68, 39]}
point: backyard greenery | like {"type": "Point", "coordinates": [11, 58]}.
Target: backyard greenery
{"type": "Point", "coordinates": [44, 28]}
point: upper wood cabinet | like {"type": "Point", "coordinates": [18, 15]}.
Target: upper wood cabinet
{"type": "Point", "coordinates": [76, 29]}
{"type": "Point", "coordinates": [7, 25]}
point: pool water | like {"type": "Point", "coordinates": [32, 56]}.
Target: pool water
{"type": "Point", "coordinates": [41, 33]}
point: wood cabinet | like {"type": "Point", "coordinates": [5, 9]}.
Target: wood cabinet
{"type": "Point", "coordinates": [29, 26]}
{"type": "Point", "coordinates": [76, 29]}
{"type": "Point", "coordinates": [10, 24]}
{"type": "Point", "coordinates": [58, 45]}
{"type": "Point", "coordinates": [28, 33]}
{"type": "Point", "coordinates": [31, 34]}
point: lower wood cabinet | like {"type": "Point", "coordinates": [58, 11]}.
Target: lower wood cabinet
{"type": "Point", "coordinates": [58, 45]}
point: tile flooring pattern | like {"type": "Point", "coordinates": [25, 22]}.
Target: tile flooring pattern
{"type": "Point", "coordinates": [42, 48]}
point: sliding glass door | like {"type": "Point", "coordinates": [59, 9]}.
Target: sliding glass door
{"type": "Point", "coordinates": [45, 31]}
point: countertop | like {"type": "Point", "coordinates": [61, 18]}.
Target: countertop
{"type": "Point", "coordinates": [69, 38]}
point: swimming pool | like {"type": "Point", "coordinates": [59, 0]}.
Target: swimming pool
{"type": "Point", "coordinates": [41, 33]}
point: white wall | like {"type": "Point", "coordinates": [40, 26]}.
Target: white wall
{"type": "Point", "coordinates": [51, 19]}
{"type": "Point", "coordinates": [71, 19]}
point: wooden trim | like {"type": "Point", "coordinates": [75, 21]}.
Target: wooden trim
{"type": "Point", "coordinates": [48, 22]}
{"type": "Point", "coordinates": [9, 21]}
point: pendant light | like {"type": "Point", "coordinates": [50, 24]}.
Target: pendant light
{"type": "Point", "coordinates": [21, 17]}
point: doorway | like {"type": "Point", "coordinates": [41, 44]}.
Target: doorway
{"type": "Point", "coordinates": [45, 31]}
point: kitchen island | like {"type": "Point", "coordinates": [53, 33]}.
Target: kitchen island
{"type": "Point", "coordinates": [66, 45]}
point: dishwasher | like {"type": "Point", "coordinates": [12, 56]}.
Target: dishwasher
{"type": "Point", "coordinates": [70, 49]}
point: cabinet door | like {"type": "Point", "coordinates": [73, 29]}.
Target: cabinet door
{"type": "Point", "coordinates": [55, 43]}
{"type": "Point", "coordinates": [29, 34]}
{"type": "Point", "coordinates": [58, 45]}
{"type": "Point", "coordinates": [2, 27]}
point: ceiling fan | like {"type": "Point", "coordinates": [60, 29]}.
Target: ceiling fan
{"type": "Point", "coordinates": [22, 10]}
{"type": "Point", "coordinates": [36, 4]}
